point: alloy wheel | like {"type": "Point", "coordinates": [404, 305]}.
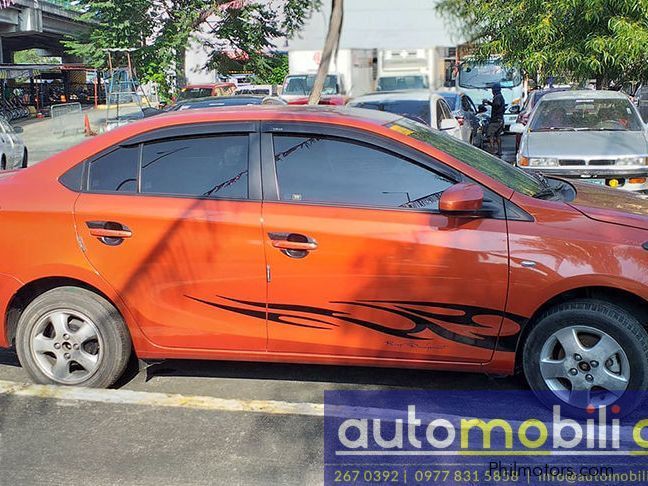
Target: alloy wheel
{"type": "Point", "coordinates": [584, 366]}
{"type": "Point", "coordinates": [67, 346]}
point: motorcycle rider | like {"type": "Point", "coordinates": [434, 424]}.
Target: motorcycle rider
{"type": "Point", "coordinates": [496, 124]}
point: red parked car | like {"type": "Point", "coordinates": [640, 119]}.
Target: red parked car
{"type": "Point", "coordinates": [330, 235]}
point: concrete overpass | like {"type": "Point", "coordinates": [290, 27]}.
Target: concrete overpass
{"type": "Point", "coordinates": [40, 24]}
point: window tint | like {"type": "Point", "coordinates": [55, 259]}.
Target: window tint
{"type": "Point", "coordinates": [439, 113]}
{"type": "Point", "coordinates": [418, 110]}
{"type": "Point", "coordinates": [446, 111]}
{"type": "Point", "coordinates": [215, 166]}
{"type": "Point", "coordinates": [467, 104]}
{"type": "Point", "coordinates": [329, 170]}
{"type": "Point", "coordinates": [115, 171]}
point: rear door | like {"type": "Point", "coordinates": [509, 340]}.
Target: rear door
{"type": "Point", "coordinates": [361, 262]}
{"type": "Point", "coordinates": [172, 221]}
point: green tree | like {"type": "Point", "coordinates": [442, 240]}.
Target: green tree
{"type": "Point", "coordinates": [162, 30]}
{"type": "Point", "coordinates": [31, 56]}
{"type": "Point", "coordinates": [606, 40]}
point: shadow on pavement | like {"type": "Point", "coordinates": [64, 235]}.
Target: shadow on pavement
{"type": "Point", "coordinates": [351, 375]}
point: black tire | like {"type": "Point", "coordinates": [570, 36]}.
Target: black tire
{"type": "Point", "coordinates": [25, 160]}
{"type": "Point", "coordinates": [613, 320]}
{"type": "Point", "coordinates": [3, 163]}
{"type": "Point", "coordinates": [114, 337]}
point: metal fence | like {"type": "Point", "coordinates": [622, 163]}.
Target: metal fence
{"type": "Point", "coordinates": [67, 118]}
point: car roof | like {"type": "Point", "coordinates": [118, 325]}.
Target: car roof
{"type": "Point", "coordinates": [585, 93]}
{"type": "Point", "coordinates": [404, 95]}
{"type": "Point", "coordinates": [207, 85]}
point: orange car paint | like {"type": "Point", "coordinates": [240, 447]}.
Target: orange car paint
{"type": "Point", "coordinates": [191, 281]}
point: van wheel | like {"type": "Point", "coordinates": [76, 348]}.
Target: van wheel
{"type": "Point", "coordinates": [71, 336]}
{"type": "Point", "coordinates": [587, 353]}
{"type": "Point", "coordinates": [24, 160]}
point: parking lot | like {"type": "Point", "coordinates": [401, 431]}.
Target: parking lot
{"type": "Point", "coordinates": [259, 423]}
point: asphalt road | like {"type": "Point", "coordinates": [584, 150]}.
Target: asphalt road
{"type": "Point", "coordinates": [54, 440]}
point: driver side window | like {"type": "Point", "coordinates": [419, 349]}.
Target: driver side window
{"type": "Point", "coordinates": [317, 169]}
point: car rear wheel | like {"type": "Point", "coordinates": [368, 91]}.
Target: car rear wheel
{"type": "Point", "coordinates": [71, 336]}
{"type": "Point", "coordinates": [3, 163]}
{"type": "Point", "coordinates": [24, 159]}
{"type": "Point", "coordinates": [587, 353]}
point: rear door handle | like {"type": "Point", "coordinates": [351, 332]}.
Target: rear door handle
{"type": "Point", "coordinates": [110, 233]}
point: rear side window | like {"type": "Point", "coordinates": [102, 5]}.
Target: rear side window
{"type": "Point", "coordinates": [330, 170]}
{"type": "Point", "coordinates": [214, 166]}
{"type": "Point", "coordinates": [115, 171]}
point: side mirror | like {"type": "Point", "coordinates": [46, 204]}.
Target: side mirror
{"type": "Point", "coordinates": [448, 124]}
{"type": "Point", "coordinates": [515, 109]}
{"type": "Point", "coordinates": [517, 128]}
{"type": "Point", "coordinates": [18, 129]}
{"type": "Point", "coordinates": [461, 198]}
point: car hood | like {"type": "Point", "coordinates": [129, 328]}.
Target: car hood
{"type": "Point", "coordinates": [586, 144]}
{"type": "Point", "coordinates": [611, 205]}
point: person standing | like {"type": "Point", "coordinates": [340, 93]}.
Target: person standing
{"type": "Point", "coordinates": [496, 124]}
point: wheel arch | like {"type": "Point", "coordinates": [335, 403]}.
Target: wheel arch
{"type": "Point", "coordinates": [630, 301]}
{"type": "Point", "coordinates": [32, 289]}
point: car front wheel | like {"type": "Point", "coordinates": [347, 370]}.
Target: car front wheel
{"type": "Point", "coordinates": [588, 353]}
{"type": "Point", "coordinates": [71, 336]}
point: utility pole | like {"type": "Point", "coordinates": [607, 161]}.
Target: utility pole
{"type": "Point", "coordinates": [330, 47]}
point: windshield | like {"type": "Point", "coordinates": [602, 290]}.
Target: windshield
{"type": "Point", "coordinates": [395, 83]}
{"type": "Point", "coordinates": [586, 114]}
{"type": "Point", "coordinates": [418, 110]}
{"type": "Point", "coordinates": [510, 176]}
{"type": "Point", "coordinates": [303, 85]}
{"type": "Point", "coordinates": [484, 75]}
{"type": "Point", "coordinates": [193, 93]}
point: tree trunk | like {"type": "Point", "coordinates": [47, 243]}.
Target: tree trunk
{"type": "Point", "coordinates": [330, 47]}
{"type": "Point", "coordinates": [180, 61]}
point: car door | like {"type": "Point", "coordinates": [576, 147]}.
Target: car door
{"type": "Point", "coordinates": [360, 261]}
{"type": "Point", "coordinates": [470, 119]}
{"type": "Point", "coordinates": [171, 220]}
{"type": "Point", "coordinates": [444, 114]}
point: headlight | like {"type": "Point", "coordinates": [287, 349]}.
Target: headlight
{"type": "Point", "coordinates": [543, 162]}
{"type": "Point", "coordinates": [631, 161]}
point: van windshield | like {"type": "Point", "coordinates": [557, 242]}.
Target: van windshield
{"type": "Point", "coordinates": [303, 85]}
{"type": "Point", "coordinates": [483, 75]}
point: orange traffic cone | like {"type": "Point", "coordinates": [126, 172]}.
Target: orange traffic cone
{"type": "Point", "coordinates": [87, 129]}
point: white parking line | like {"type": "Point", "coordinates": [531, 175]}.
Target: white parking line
{"type": "Point", "coordinates": [130, 397]}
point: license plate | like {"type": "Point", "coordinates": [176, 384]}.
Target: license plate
{"type": "Point", "coordinates": [598, 182]}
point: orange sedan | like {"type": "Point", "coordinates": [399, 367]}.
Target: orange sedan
{"type": "Point", "coordinates": [303, 235]}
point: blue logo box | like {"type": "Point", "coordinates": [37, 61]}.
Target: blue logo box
{"type": "Point", "coordinates": [470, 437]}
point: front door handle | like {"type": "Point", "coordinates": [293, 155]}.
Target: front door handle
{"type": "Point", "coordinates": [110, 233]}
{"type": "Point", "coordinates": [294, 245]}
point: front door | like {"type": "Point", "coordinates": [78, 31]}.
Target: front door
{"type": "Point", "coordinates": [173, 225]}
{"type": "Point", "coordinates": [361, 262]}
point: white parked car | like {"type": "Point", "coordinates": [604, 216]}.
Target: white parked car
{"type": "Point", "coordinates": [593, 136]}
{"type": "Point", "coordinates": [13, 153]}
{"type": "Point", "coordinates": [420, 105]}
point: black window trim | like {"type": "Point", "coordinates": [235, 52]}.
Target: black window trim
{"type": "Point", "coordinates": [187, 131]}
{"type": "Point", "coordinates": [271, 184]}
